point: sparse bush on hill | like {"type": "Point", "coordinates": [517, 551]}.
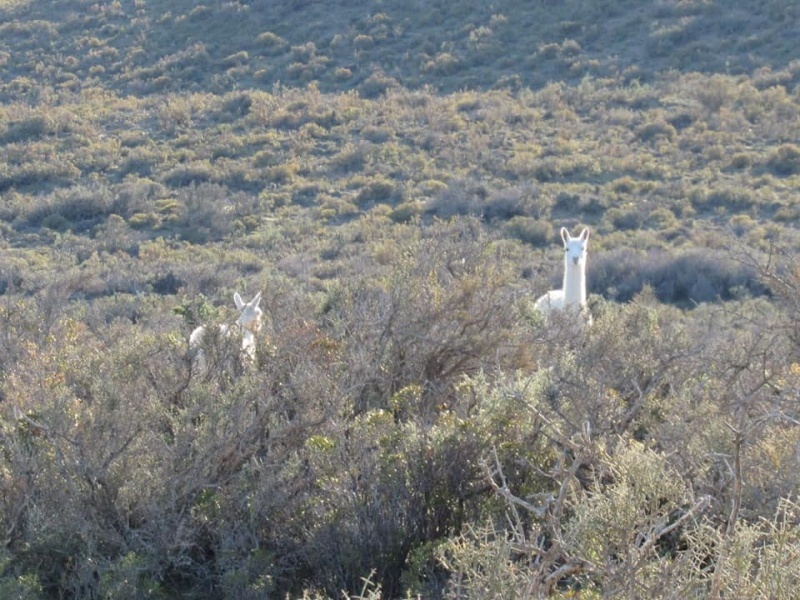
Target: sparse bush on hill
{"type": "Point", "coordinates": [531, 231]}
{"type": "Point", "coordinates": [457, 198]}
{"type": "Point", "coordinates": [77, 208]}
{"type": "Point", "coordinates": [690, 278]}
{"type": "Point", "coordinates": [785, 160]}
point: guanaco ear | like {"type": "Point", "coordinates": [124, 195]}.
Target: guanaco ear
{"type": "Point", "coordinates": [238, 300]}
{"type": "Point", "coordinates": [565, 234]}
{"type": "Point", "coordinates": [585, 234]}
{"type": "Point", "coordinates": [256, 301]}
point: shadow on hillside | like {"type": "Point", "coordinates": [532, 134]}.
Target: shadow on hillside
{"type": "Point", "coordinates": [158, 47]}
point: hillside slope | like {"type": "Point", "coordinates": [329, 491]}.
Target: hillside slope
{"type": "Point", "coordinates": [662, 125]}
{"type": "Point", "coordinates": [151, 47]}
{"type": "Point", "coordinates": [392, 177]}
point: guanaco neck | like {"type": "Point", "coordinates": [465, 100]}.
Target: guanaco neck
{"type": "Point", "coordinates": [574, 283]}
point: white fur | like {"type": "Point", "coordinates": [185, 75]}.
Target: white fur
{"type": "Point", "coordinates": [247, 325]}
{"type": "Point", "coordinates": [572, 295]}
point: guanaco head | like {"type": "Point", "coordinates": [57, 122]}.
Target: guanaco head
{"type": "Point", "coordinates": [249, 312]}
{"type": "Point", "coordinates": [575, 247]}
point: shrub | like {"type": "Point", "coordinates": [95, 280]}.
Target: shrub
{"type": "Point", "coordinates": [175, 113]}
{"type": "Point", "coordinates": [625, 218]}
{"type": "Point", "coordinates": [20, 585]}
{"type": "Point", "coordinates": [343, 74]}
{"type": "Point", "coordinates": [510, 202]}
{"type": "Point", "coordinates": [785, 160]}
{"type": "Point", "coordinates": [740, 161]}
{"type": "Point", "coordinates": [716, 92]}
{"type": "Point", "coordinates": [406, 211]}
{"type": "Point", "coordinates": [459, 197]}
{"type": "Point", "coordinates": [786, 214]}
{"type": "Point", "coordinates": [596, 478]}
{"type": "Point", "coordinates": [207, 213]}
{"type": "Point", "coordinates": [624, 185]}
{"type": "Point", "coordinates": [187, 175]}
{"type": "Point", "coordinates": [694, 276]}
{"type": "Point", "coordinates": [352, 158]}
{"type": "Point", "coordinates": [661, 219]}
{"type": "Point", "coordinates": [571, 48]}
{"type": "Point", "coordinates": [272, 42]}
{"type": "Point", "coordinates": [138, 164]}
{"type": "Point", "coordinates": [55, 222]}
{"type": "Point", "coordinates": [443, 63]}
{"type": "Point", "coordinates": [236, 59]}
{"type": "Point", "coordinates": [377, 134]}
{"type": "Point", "coordinates": [731, 198]}
{"type": "Point", "coordinates": [523, 163]}
{"type": "Point", "coordinates": [363, 42]}
{"type": "Point", "coordinates": [235, 106]}
{"type": "Point", "coordinates": [304, 52]}
{"type": "Point", "coordinates": [29, 129]}
{"type": "Point", "coordinates": [39, 176]}
{"type": "Point", "coordinates": [464, 282]}
{"type": "Point", "coordinates": [308, 194]}
{"type": "Point", "coordinates": [741, 224]}
{"type": "Point", "coordinates": [536, 232]}
{"type": "Point", "coordinates": [280, 174]}
{"type": "Point", "coordinates": [377, 85]}
{"type": "Point", "coordinates": [78, 208]}
{"type": "Point", "coordinates": [548, 51]}
{"type": "Point", "coordinates": [377, 191]}
{"type": "Point", "coordinates": [655, 130]}
{"type": "Point", "coordinates": [142, 220]}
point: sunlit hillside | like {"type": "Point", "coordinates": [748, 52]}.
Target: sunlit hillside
{"type": "Point", "coordinates": [393, 177]}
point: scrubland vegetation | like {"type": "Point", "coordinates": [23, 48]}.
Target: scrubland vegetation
{"type": "Point", "coordinates": [392, 176]}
